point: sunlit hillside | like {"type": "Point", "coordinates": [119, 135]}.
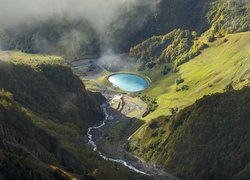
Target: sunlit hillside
{"type": "Point", "coordinates": [225, 62]}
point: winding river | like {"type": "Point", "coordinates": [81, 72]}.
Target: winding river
{"type": "Point", "coordinates": [93, 144]}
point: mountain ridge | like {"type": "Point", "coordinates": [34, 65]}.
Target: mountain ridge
{"type": "Point", "coordinates": [205, 140]}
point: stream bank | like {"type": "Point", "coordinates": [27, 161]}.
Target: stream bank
{"type": "Point", "coordinates": [117, 122]}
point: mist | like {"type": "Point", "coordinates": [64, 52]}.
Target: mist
{"type": "Point", "coordinates": [99, 13]}
{"type": "Point", "coordinates": [116, 62]}
{"type": "Point", "coordinates": [107, 24]}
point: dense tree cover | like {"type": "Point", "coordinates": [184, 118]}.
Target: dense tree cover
{"type": "Point", "coordinates": [204, 21]}
{"type": "Point", "coordinates": [175, 47]}
{"type": "Point", "coordinates": [44, 115]}
{"type": "Point", "coordinates": [220, 16]}
{"type": "Point", "coordinates": [208, 140]}
{"type": "Point", "coordinates": [54, 90]}
{"type": "Point", "coordinates": [18, 132]}
{"type": "Point", "coordinates": [151, 104]}
{"type": "Point", "coordinates": [184, 14]}
{"type": "Point", "coordinates": [225, 17]}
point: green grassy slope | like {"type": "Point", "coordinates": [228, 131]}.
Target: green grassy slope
{"type": "Point", "coordinates": [30, 59]}
{"type": "Point", "coordinates": [208, 140]}
{"type": "Point", "coordinates": [226, 61]}
{"type": "Point", "coordinates": [177, 46]}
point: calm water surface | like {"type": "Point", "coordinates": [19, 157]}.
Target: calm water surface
{"type": "Point", "coordinates": [129, 82]}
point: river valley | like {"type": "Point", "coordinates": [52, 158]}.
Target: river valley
{"type": "Point", "coordinates": [114, 148]}
{"type": "Point", "coordinates": [122, 112]}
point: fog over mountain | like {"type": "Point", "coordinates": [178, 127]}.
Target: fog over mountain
{"type": "Point", "coordinates": [103, 20]}
{"type": "Point", "coordinates": [100, 13]}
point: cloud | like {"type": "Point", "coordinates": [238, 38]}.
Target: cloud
{"type": "Point", "coordinates": [99, 12]}
{"type": "Point", "coordinates": [107, 18]}
{"type": "Point", "coordinates": [115, 62]}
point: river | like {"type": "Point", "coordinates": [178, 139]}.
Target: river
{"type": "Point", "coordinates": [93, 144]}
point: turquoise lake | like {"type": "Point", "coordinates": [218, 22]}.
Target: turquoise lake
{"type": "Point", "coordinates": [128, 82]}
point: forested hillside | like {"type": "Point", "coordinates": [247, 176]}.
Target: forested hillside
{"type": "Point", "coordinates": [184, 14]}
{"type": "Point", "coordinates": [44, 113]}
{"type": "Point", "coordinates": [222, 16]}
{"type": "Point", "coordinates": [176, 47]}
{"type": "Point", "coordinates": [201, 22]}
{"type": "Point", "coordinates": [208, 140]}
{"type": "Point", "coordinates": [201, 49]}
{"type": "Point", "coordinates": [194, 54]}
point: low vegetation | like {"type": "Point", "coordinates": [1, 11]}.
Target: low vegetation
{"type": "Point", "coordinates": [208, 140]}
{"type": "Point", "coordinates": [179, 81]}
{"type": "Point", "coordinates": [33, 60]}
{"type": "Point", "coordinates": [151, 104]}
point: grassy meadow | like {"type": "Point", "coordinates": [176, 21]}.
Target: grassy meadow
{"type": "Point", "coordinates": [226, 61]}
{"type": "Point", "coordinates": [30, 59]}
